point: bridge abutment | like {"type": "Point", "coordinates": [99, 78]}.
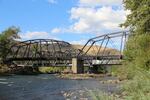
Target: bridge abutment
{"type": "Point", "coordinates": [77, 66]}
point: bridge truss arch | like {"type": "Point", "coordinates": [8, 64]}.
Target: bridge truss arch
{"type": "Point", "coordinates": [105, 49]}
{"type": "Point", "coordinates": [38, 51]}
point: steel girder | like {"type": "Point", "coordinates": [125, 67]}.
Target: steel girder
{"type": "Point", "coordinates": [105, 48]}
{"type": "Point", "coordinates": [41, 50]}
{"type": "Point", "coordinates": [102, 49]}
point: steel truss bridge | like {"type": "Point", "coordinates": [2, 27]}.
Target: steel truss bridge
{"type": "Point", "coordinates": [106, 49]}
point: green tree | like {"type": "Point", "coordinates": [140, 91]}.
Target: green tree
{"type": "Point", "coordinates": [139, 18]}
{"type": "Point", "coordinates": [7, 38]}
{"type": "Point", "coordinates": [138, 45]}
{"type": "Point", "coordinates": [137, 62]}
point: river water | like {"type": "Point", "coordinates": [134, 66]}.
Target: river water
{"type": "Point", "coordinates": [49, 87]}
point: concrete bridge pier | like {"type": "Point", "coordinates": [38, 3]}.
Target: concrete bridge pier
{"type": "Point", "coordinates": [77, 66]}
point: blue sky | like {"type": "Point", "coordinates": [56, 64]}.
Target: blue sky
{"type": "Point", "coordinates": [74, 21]}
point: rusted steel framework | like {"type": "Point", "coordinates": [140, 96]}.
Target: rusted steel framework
{"type": "Point", "coordinates": [104, 49]}
{"type": "Point", "coordinates": [40, 51]}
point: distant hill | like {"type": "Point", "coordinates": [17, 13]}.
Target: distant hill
{"type": "Point", "coordinates": [94, 49]}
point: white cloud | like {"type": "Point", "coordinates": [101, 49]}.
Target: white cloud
{"type": "Point", "coordinates": [56, 30]}
{"type": "Point", "coordinates": [36, 35]}
{"type": "Point", "coordinates": [60, 30]}
{"type": "Point", "coordinates": [52, 1]}
{"type": "Point", "coordinates": [99, 2]}
{"type": "Point", "coordinates": [88, 19]}
{"type": "Point", "coordinates": [91, 20]}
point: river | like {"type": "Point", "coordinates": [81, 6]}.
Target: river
{"type": "Point", "coordinates": [49, 87]}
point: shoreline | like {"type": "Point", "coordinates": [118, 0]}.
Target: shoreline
{"type": "Point", "coordinates": [80, 76]}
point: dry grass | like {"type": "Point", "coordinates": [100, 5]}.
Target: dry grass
{"type": "Point", "coordinates": [94, 49]}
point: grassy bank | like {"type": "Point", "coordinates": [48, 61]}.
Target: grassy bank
{"type": "Point", "coordinates": [138, 88]}
{"type": "Point", "coordinates": [4, 70]}
{"type": "Point", "coordinates": [51, 69]}
{"type": "Point", "coordinates": [135, 85]}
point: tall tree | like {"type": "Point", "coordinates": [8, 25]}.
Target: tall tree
{"type": "Point", "coordinates": [7, 38]}
{"type": "Point", "coordinates": [137, 63]}
{"type": "Point", "coordinates": [138, 45]}
{"type": "Point", "coordinates": [139, 18]}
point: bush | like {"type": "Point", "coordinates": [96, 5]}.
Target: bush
{"type": "Point", "coordinates": [103, 96]}
{"type": "Point", "coordinates": [139, 87]}
{"type": "Point", "coordinates": [137, 56]}
{"type": "Point", "coordinates": [3, 69]}
{"type": "Point", "coordinates": [51, 69]}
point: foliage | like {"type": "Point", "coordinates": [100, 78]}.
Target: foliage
{"type": "Point", "coordinates": [114, 70]}
{"type": "Point", "coordinates": [137, 50]}
{"type": "Point", "coordinates": [6, 40]}
{"type": "Point", "coordinates": [51, 69]}
{"type": "Point", "coordinates": [3, 69]}
{"type": "Point", "coordinates": [139, 18]}
{"type": "Point", "coordinates": [136, 67]}
{"type": "Point", "coordinates": [139, 87]}
{"type": "Point", "coordinates": [99, 95]}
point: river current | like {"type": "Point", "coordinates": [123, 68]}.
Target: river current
{"type": "Point", "coordinates": [49, 87]}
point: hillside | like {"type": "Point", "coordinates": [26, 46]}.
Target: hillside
{"type": "Point", "coordinates": [64, 47]}
{"type": "Point", "coordinates": [94, 49]}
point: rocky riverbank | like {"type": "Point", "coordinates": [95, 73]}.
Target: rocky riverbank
{"type": "Point", "coordinates": [80, 76]}
{"type": "Point", "coordinates": [7, 70]}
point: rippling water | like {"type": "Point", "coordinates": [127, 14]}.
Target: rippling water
{"type": "Point", "coordinates": [49, 87]}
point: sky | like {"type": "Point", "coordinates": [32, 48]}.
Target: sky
{"type": "Point", "coordinates": [74, 21]}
